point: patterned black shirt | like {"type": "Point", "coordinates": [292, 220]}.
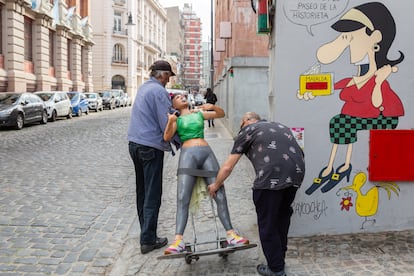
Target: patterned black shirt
{"type": "Point", "coordinates": [277, 158]}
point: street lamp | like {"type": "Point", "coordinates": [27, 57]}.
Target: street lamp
{"type": "Point", "coordinates": [131, 66]}
{"type": "Point", "coordinates": [130, 23]}
{"type": "Point", "coordinates": [211, 49]}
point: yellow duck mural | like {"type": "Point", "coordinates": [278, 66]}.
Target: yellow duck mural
{"type": "Point", "coordinates": [367, 204]}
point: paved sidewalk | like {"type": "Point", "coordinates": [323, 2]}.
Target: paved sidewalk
{"type": "Point", "coordinates": [390, 253]}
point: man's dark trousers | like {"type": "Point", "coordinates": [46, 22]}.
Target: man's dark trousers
{"type": "Point", "coordinates": [273, 208]}
{"type": "Point", "coordinates": [148, 163]}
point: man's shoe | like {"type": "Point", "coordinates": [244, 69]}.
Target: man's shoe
{"type": "Point", "coordinates": [159, 242]}
{"type": "Point", "coordinates": [263, 269]}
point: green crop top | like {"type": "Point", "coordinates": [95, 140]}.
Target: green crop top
{"type": "Point", "coordinates": [190, 126]}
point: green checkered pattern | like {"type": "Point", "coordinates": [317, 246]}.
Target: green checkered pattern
{"type": "Point", "coordinates": [343, 128]}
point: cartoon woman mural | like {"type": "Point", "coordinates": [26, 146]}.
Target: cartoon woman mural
{"type": "Point", "coordinates": [367, 31]}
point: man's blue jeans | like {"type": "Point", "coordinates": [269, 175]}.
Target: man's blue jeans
{"type": "Point", "coordinates": [148, 163]}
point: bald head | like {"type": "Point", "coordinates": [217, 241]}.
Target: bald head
{"type": "Point", "coordinates": [249, 118]}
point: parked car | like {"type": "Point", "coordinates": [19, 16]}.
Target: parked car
{"type": "Point", "coordinates": [95, 101]}
{"type": "Point", "coordinates": [18, 109]}
{"type": "Point", "coordinates": [119, 97]}
{"type": "Point", "coordinates": [129, 100]}
{"type": "Point", "coordinates": [199, 100]}
{"type": "Point", "coordinates": [191, 101]}
{"type": "Point", "coordinates": [124, 99]}
{"type": "Point", "coordinates": [79, 103]}
{"type": "Point", "coordinates": [108, 100]}
{"type": "Point", "coordinates": [57, 104]}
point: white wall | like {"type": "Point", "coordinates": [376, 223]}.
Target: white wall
{"type": "Point", "coordinates": [245, 90]}
{"type": "Point", "coordinates": [295, 51]}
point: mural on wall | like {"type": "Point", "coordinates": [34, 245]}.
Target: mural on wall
{"type": "Point", "coordinates": [366, 203]}
{"type": "Point", "coordinates": [367, 31]}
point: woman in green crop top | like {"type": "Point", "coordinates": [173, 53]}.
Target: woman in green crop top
{"type": "Point", "coordinates": [196, 160]}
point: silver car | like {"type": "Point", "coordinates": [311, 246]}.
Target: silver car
{"type": "Point", "coordinates": [57, 104]}
{"type": "Point", "coordinates": [95, 101]}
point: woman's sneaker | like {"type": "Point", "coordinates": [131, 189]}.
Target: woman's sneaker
{"type": "Point", "coordinates": [235, 239]}
{"type": "Point", "coordinates": [177, 247]}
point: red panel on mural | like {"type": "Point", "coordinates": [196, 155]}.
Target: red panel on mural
{"type": "Point", "coordinates": [391, 155]}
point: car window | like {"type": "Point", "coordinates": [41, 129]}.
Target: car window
{"type": "Point", "coordinates": [44, 96]}
{"type": "Point", "coordinates": [64, 96]}
{"type": "Point", "coordinates": [73, 96]}
{"type": "Point", "coordinates": [31, 98]}
{"type": "Point", "coordinates": [8, 99]}
{"type": "Point", "coordinates": [57, 97]}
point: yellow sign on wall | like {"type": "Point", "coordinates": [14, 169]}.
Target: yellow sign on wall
{"type": "Point", "coordinates": [317, 84]}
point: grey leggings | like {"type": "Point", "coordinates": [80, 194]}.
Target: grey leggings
{"type": "Point", "coordinates": [194, 162]}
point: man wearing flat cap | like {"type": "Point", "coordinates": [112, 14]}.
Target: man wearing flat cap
{"type": "Point", "coordinates": [146, 147]}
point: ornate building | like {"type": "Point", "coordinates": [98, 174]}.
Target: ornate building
{"type": "Point", "coordinates": [192, 63]}
{"type": "Point", "coordinates": [45, 45]}
{"type": "Point", "coordinates": [130, 35]}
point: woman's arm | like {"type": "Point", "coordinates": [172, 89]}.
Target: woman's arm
{"type": "Point", "coordinates": [211, 111]}
{"type": "Point", "coordinates": [380, 76]}
{"type": "Point", "coordinates": [171, 127]}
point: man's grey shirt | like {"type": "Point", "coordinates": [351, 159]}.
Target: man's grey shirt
{"type": "Point", "coordinates": [149, 116]}
{"type": "Point", "coordinates": [276, 157]}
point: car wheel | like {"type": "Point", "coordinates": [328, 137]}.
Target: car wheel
{"type": "Point", "coordinates": [19, 121]}
{"type": "Point", "coordinates": [44, 118]}
{"type": "Point", "coordinates": [87, 111]}
{"type": "Point", "coordinates": [54, 116]}
{"type": "Point", "coordinates": [69, 114]}
{"type": "Point", "coordinates": [79, 112]}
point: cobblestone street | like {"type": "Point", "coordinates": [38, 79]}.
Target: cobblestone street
{"type": "Point", "coordinates": [67, 207]}
{"type": "Point", "coordinates": [66, 203]}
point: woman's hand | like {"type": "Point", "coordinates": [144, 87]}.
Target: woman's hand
{"type": "Point", "coordinates": [207, 106]}
{"type": "Point", "coordinates": [305, 96]}
{"type": "Point", "coordinates": [384, 72]}
{"type": "Point", "coordinates": [172, 117]}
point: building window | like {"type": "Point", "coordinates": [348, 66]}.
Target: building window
{"type": "Point", "coordinates": [69, 54]}
{"type": "Point", "coordinates": [117, 22]}
{"type": "Point", "coordinates": [84, 8]}
{"type": "Point", "coordinates": [118, 54]}
{"type": "Point", "coordinates": [51, 48]}
{"type": "Point", "coordinates": [83, 58]}
{"type": "Point", "coordinates": [28, 38]}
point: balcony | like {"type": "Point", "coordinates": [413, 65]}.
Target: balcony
{"type": "Point", "coordinates": [120, 32]}
{"type": "Point", "coordinates": [119, 61]}
{"type": "Point", "coordinates": [120, 2]}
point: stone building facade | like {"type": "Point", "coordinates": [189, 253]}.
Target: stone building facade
{"type": "Point", "coordinates": [45, 45]}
